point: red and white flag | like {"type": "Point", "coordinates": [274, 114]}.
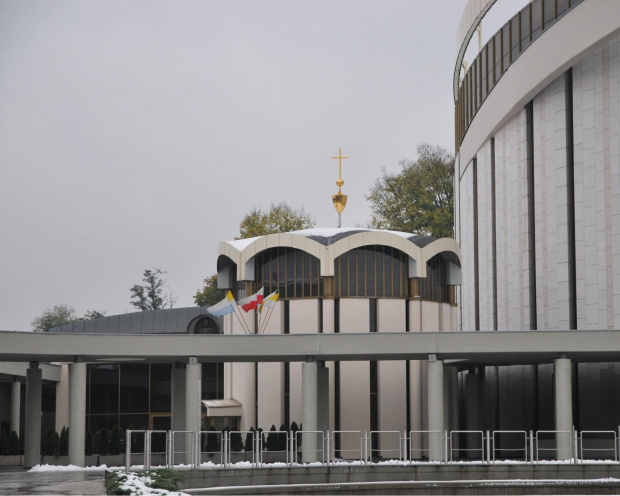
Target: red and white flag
{"type": "Point", "coordinates": [252, 302]}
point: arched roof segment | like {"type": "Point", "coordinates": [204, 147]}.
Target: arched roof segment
{"type": "Point", "coordinates": [329, 244]}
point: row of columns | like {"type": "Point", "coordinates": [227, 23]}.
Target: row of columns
{"type": "Point", "coordinates": [186, 406]}
{"type": "Point", "coordinates": [186, 396]}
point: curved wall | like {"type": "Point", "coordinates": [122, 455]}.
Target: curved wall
{"type": "Point", "coordinates": [537, 198]}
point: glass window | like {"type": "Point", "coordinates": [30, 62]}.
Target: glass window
{"type": "Point", "coordinates": [536, 9]}
{"type": "Point", "coordinates": [490, 66]}
{"type": "Point", "coordinates": [161, 375]}
{"type": "Point", "coordinates": [294, 273]}
{"type": "Point", "coordinates": [561, 7]}
{"type": "Point", "coordinates": [498, 56]}
{"type": "Point", "coordinates": [483, 69]}
{"type": "Point", "coordinates": [134, 388]}
{"type": "Point", "coordinates": [371, 271]}
{"type": "Point", "coordinates": [506, 47]}
{"type": "Point", "coordinates": [212, 381]}
{"type": "Point", "coordinates": [515, 34]}
{"type": "Point", "coordinates": [525, 27]}
{"type": "Point", "coordinates": [102, 391]}
{"type": "Point", "coordinates": [549, 12]}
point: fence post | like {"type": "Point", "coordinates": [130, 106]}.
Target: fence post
{"type": "Point", "coordinates": [531, 446]}
{"type": "Point", "coordinates": [127, 450]}
{"type": "Point", "coordinates": [488, 447]}
{"type": "Point", "coordinates": [147, 450]}
{"type": "Point", "coordinates": [445, 447]}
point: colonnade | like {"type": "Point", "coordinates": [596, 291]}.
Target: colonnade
{"type": "Point", "coordinates": [186, 405]}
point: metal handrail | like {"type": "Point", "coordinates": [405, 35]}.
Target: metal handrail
{"type": "Point", "coordinates": [524, 449]}
{"type": "Point", "coordinates": [614, 449]}
{"type": "Point", "coordinates": [422, 450]}
{"type": "Point", "coordinates": [481, 449]}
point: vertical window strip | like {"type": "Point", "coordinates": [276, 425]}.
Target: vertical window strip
{"type": "Point", "coordinates": [529, 113]}
{"type": "Point", "coordinates": [493, 236]}
{"type": "Point", "coordinates": [570, 201]}
{"type": "Point", "coordinates": [476, 260]}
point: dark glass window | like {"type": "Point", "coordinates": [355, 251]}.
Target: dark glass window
{"type": "Point", "coordinates": [102, 391]}
{"type": "Point", "coordinates": [293, 273]}
{"type": "Point", "coordinates": [212, 381]}
{"type": "Point", "coordinates": [371, 271]}
{"type": "Point", "coordinates": [434, 287]}
{"type": "Point", "coordinates": [134, 388]}
{"type": "Point", "coordinates": [161, 375]}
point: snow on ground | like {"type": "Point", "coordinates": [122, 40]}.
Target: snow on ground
{"type": "Point", "coordinates": [340, 463]}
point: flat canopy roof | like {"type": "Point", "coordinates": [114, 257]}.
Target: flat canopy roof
{"type": "Point", "coordinates": [469, 348]}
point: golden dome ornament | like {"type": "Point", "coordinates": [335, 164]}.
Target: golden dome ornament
{"type": "Point", "coordinates": [340, 200]}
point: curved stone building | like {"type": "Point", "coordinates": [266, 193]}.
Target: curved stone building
{"type": "Point", "coordinates": [537, 195]}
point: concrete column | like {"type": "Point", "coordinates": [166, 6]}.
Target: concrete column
{"type": "Point", "coordinates": [309, 407]}
{"type": "Point", "coordinates": [193, 406]}
{"type": "Point", "coordinates": [563, 406]}
{"type": "Point", "coordinates": [323, 399]}
{"type": "Point", "coordinates": [77, 412]}
{"type": "Point", "coordinates": [435, 408]}
{"type": "Point", "coordinates": [32, 447]}
{"type": "Point", "coordinates": [472, 414]}
{"type": "Point", "coordinates": [16, 395]}
{"type": "Point", "coordinates": [177, 397]}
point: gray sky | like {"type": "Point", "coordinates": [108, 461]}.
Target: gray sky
{"type": "Point", "coordinates": [136, 135]}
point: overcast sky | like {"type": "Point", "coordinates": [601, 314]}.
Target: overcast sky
{"type": "Point", "coordinates": [136, 135]}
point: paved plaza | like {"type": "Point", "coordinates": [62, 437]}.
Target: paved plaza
{"type": "Point", "coordinates": [18, 481]}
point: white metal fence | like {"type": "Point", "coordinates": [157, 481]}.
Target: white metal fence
{"type": "Point", "coordinates": [194, 448]}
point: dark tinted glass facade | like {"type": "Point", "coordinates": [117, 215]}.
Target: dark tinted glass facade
{"type": "Point", "coordinates": [137, 395]}
{"type": "Point", "coordinates": [372, 271]}
{"type": "Point", "coordinates": [293, 273]}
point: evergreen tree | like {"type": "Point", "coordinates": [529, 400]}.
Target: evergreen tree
{"type": "Point", "coordinates": [63, 443]}
{"type": "Point", "coordinates": [115, 441]}
{"type": "Point", "coordinates": [104, 441]}
{"type": "Point", "coordinates": [4, 444]}
{"type": "Point", "coordinates": [236, 444]}
{"type": "Point", "coordinates": [213, 444]}
{"type": "Point", "coordinates": [55, 444]}
{"type": "Point", "coordinates": [282, 439]}
{"type": "Point", "coordinates": [89, 442]}
{"type": "Point", "coordinates": [16, 443]}
{"type": "Point", "coordinates": [249, 440]}
{"type": "Point", "coordinates": [271, 443]}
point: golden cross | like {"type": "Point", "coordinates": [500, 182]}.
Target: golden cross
{"type": "Point", "coordinates": [340, 157]}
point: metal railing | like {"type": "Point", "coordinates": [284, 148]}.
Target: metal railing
{"type": "Point", "coordinates": [488, 447]}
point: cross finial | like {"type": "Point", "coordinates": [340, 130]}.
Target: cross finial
{"type": "Point", "coordinates": [340, 182]}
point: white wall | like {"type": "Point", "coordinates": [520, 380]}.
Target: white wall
{"type": "Point", "coordinates": [271, 376]}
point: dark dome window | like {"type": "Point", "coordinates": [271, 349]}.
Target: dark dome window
{"type": "Point", "coordinates": [206, 325]}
